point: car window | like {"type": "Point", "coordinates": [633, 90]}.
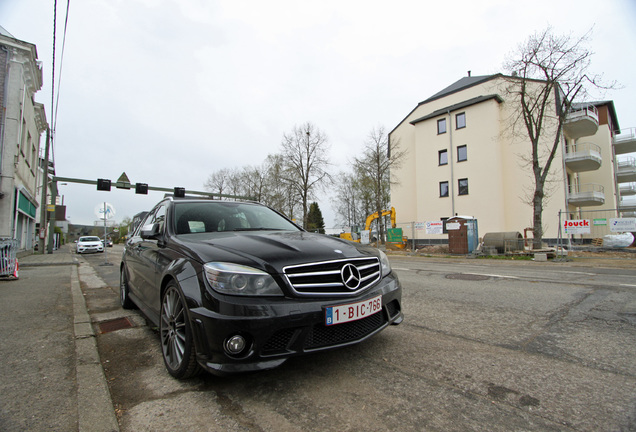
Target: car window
{"type": "Point", "coordinates": [158, 216]}
{"type": "Point", "coordinates": [89, 239]}
{"type": "Point", "coordinates": [137, 222]}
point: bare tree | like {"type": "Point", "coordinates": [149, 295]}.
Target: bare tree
{"type": "Point", "coordinates": [253, 181]}
{"type": "Point", "coordinates": [264, 183]}
{"type": "Point", "coordinates": [279, 193]}
{"type": "Point", "coordinates": [548, 73]}
{"type": "Point", "coordinates": [304, 153]}
{"type": "Point", "coordinates": [217, 182]}
{"type": "Point", "coordinates": [373, 169]}
{"type": "Point", "coordinates": [352, 203]}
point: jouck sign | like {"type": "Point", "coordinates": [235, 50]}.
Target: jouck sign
{"type": "Point", "coordinates": [580, 226]}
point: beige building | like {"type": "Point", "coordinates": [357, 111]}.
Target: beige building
{"type": "Point", "coordinates": [22, 123]}
{"type": "Point", "coordinates": [467, 157]}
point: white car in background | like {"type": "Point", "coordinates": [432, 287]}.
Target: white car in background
{"type": "Point", "coordinates": [89, 244]}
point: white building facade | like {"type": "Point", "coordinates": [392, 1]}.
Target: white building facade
{"type": "Point", "coordinates": [22, 123]}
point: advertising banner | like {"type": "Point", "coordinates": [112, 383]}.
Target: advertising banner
{"type": "Point", "coordinates": [394, 235]}
{"type": "Point", "coordinates": [436, 227]}
{"type": "Point", "coordinates": [577, 226]}
{"type": "Point", "coordinates": [623, 225]}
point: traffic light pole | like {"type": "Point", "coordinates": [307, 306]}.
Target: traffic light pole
{"type": "Point", "coordinates": [126, 185]}
{"type": "Point", "coordinates": [106, 263]}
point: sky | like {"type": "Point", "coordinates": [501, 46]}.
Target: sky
{"type": "Point", "coordinates": [170, 91]}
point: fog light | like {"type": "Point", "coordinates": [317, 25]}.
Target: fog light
{"type": "Point", "coordinates": [235, 344]}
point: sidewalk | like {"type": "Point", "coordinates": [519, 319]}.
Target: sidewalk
{"type": "Point", "coordinates": [51, 377]}
{"type": "Point", "coordinates": [62, 256]}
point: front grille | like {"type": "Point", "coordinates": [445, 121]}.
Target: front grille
{"type": "Point", "coordinates": [324, 336]}
{"type": "Point", "coordinates": [328, 278]}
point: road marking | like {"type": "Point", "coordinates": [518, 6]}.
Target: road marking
{"type": "Point", "coordinates": [628, 285]}
{"type": "Point", "coordinates": [400, 269]}
{"type": "Point", "coordinates": [493, 275]}
{"type": "Point", "coordinates": [581, 273]}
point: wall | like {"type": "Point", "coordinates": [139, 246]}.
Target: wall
{"type": "Point", "coordinates": [499, 179]}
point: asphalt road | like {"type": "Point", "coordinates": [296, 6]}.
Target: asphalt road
{"type": "Point", "coordinates": [485, 345]}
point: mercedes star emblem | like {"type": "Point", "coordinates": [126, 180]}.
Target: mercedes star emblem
{"type": "Point", "coordinates": [350, 276]}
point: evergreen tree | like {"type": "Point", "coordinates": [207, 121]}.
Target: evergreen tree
{"type": "Point", "coordinates": [315, 222]}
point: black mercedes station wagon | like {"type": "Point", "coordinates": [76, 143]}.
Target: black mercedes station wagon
{"type": "Point", "coordinates": [236, 287]}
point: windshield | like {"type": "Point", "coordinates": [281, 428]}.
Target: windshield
{"type": "Point", "coordinates": [219, 216]}
{"type": "Point", "coordinates": [89, 239]}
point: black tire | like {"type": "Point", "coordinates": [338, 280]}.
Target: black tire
{"type": "Point", "coordinates": [124, 291]}
{"type": "Point", "coordinates": [177, 344]}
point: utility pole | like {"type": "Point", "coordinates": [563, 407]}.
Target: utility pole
{"type": "Point", "coordinates": [45, 182]}
{"type": "Point", "coordinates": [49, 247]}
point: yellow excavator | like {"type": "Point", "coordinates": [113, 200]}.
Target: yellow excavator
{"type": "Point", "coordinates": [355, 236]}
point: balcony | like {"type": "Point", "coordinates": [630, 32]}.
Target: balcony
{"type": "Point", "coordinates": [581, 121]}
{"type": "Point", "coordinates": [583, 157]}
{"type": "Point", "coordinates": [625, 142]}
{"type": "Point", "coordinates": [586, 195]}
{"type": "Point", "coordinates": [628, 189]}
{"type": "Point", "coordinates": [626, 169]}
{"type": "Point", "coordinates": [627, 205]}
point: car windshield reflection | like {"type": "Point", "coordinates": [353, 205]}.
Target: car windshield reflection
{"type": "Point", "coordinates": [200, 217]}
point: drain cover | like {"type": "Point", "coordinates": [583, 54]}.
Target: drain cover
{"type": "Point", "coordinates": [467, 276]}
{"type": "Point", "coordinates": [114, 325]}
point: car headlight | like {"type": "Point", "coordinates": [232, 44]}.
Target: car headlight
{"type": "Point", "coordinates": [228, 278]}
{"type": "Point", "coordinates": [384, 262]}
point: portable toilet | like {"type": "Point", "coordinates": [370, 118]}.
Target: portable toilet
{"type": "Point", "coordinates": [463, 236]}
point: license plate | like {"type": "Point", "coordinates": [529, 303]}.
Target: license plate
{"type": "Point", "coordinates": [352, 311]}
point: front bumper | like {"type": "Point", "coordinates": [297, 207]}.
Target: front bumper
{"type": "Point", "coordinates": [284, 327]}
{"type": "Point", "coordinates": [85, 249]}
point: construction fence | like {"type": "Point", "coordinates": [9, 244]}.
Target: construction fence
{"type": "Point", "coordinates": [596, 227]}
{"type": "Point", "coordinates": [585, 227]}
{"type": "Point", "coordinates": [8, 258]}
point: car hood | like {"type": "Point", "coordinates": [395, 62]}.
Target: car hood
{"type": "Point", "coordinates": [270, 250]}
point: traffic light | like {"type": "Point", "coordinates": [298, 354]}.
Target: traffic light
{"type": "Point", "coordinates": [103, 184]}
{"type": "Point", "coordinates": [141, 188]}
{"type": "Point", "coordinates": [179, 192]}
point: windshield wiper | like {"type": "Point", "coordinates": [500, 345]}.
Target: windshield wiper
{"type": "Point", "coordinates": [257, 229]}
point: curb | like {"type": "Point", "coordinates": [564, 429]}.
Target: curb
{"type": "Point", "coordinates": [94, 404]}
{"type": "Point", "coordinates": [75, 262]}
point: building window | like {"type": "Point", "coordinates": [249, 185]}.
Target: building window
{"type": "Point", "coordinates": [441, 126]}
{"type": "Point", "coordinates": [443, 189]}
{"type": "Point", "coordinates": [462, 186]}
{"type": "Point", "coordinates": [462, 153]}
{"type": "Point", "coordinates": [443, 157]}
{"type": "Point", "coordinates": [22, 142]}
{"type": "Point", "coordinates": [460, 120]}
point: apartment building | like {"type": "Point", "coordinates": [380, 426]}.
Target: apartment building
{"type": "Point", "coordinates": [467, 157]}
{"type": "Point", "coordinates": [22, 122]}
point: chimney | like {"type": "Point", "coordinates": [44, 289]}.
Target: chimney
{"type": "Point", "coordinates": [468, 74]}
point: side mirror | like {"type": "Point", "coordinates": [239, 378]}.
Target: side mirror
{"type": "Point", "coordinates": [150, 231]}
